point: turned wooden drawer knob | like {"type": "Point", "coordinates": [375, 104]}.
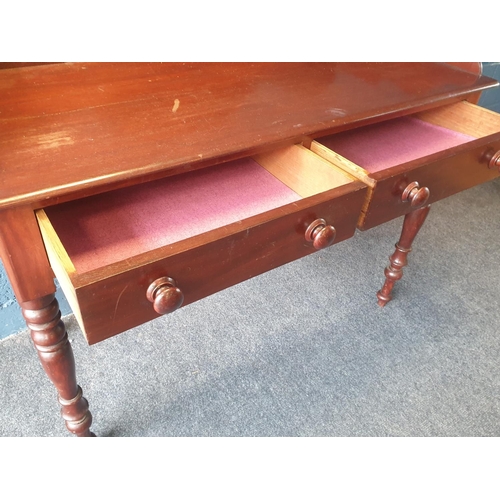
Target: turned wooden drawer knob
{"type": "Point", "coordinates": [495, 161]}
{"type": "Point", "coordinates": [321, 234]}
{"type": "Point", "coordinates": [416, 195]}
{"type": "Point", "coordinates": [165, 295]}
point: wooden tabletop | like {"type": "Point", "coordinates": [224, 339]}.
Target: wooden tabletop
{"type": "Point", "coordinates": [67, 130]}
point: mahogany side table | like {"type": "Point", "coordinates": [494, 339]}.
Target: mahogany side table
{"type": "Point", "coordinates": [146, 187]}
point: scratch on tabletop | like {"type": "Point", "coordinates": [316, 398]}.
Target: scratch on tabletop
{"type": "Point", "coordinates": [53, 140]}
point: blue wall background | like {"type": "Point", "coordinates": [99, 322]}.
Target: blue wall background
{"type": "Point", "coordinates": [11, 320]}
{"type": "Point", "coordinates": [491, 98]}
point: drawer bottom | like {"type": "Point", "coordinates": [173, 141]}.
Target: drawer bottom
{"type": "Point", "coordinates": [384, 145]}
{"type": "Point", "coordinates": [121, 224]}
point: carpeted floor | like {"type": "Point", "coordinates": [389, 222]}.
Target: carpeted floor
{"type": "Point", "coordinates": [303, 350]}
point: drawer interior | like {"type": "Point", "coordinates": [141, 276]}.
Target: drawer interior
{"type": "Point", "coordinates": [107, 228]}
{"type": "Point", "coordinates": [378, 147]}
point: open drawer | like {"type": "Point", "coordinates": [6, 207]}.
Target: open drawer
{"type": "Point", "coordinates": [414, 160]}
{"type": "Point", "coordinates": [126, 256]}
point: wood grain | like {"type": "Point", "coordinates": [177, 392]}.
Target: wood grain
{"type": "Point", "coordinates": [48, 333]}
{"type": "Point", "coordinates": [464, 117]}
{"type": "Point", "coordinates": [114, 298]}
{"type": "Point", "coordinates": [60, 262]}
{"type": "Point", "coordinates": [343, 163]}
{"type": "Point", "coordinates": [23, 255]}
{"type": "Point", "coordinates": [70, 129]}
{"type": "Point", "coordinates": [412, 224]}
{"type": "Point", "coordinates": [471, 67]}
{"type": "Point", "coordinates": [303, 171]}
{"type": "Point", "coordinates": [444, 174]}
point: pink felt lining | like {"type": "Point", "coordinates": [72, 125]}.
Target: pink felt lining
{"type": "Point", "coordinates": [383, 145]}
{"type": "Point", "coordinates": [114, 226]}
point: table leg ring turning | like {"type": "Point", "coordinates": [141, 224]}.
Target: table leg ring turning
{"type": "Point", "coordinates": [48, 333]}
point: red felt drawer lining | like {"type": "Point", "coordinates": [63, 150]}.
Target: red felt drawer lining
{"type": "Point", "coordinates": [383, 145]}
{"type": "Point", "coordinates": [114, 226]}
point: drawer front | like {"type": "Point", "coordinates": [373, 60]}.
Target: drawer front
{"type": "Point", "coordinates": [112, 302]}
{"type": "Point", "coordinates": [444, 174]}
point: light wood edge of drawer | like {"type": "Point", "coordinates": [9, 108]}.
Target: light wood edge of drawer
{"type": "Point", "coordinates": [303, 171]}
{"type": "Point", "coordinates": [343, 163]}
{"type": "Point", "coordinates": [60, 262]}
{"type": "Point", "coordinates": [350, 167]}
{"type": "Point", "coordinates": [464, 117]}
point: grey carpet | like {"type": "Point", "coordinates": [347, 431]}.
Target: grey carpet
{"type": "Point", "coordinates": [303, 350]}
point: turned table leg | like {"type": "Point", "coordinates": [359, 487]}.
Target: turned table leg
{"type": "Point", "coordinates": [394, 271]}
{"type": "Point", "coordinates": [23, 255]}
{"type": "Point", "coordinates": [48, 332]}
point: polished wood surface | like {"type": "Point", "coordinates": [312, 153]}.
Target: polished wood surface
{"type": "Point", "coordinates": [23, 254]}
{"type": "Point", "coordinates": [399, 259]}
{"type": "Point", "coordinates": [48, 333]}
{"type": "Point", "coordinates": [113, 299]}
{"type": "Point", "coordinates": [68, 131]}
{"type": "Point", "coordinates": [73, 129]}
{"type": "Point", "coordinates": [415, 195]}
{"type": "Point", "coordinates": [320, 234]}
{"type": "Point", "coordinates": [495, 160]}
{"type": "Point", "coordinates": [445, 172]}
{"type": "Point", "coordinates": [165, 295]}
{"type": "Point", "coordinates": [471, 67]}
